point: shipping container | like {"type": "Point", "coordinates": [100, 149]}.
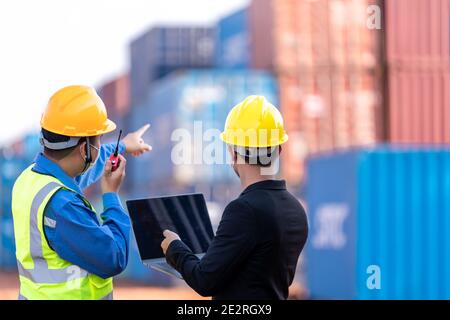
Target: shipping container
{"type": "Point", "coordinates": [417, 54]}
{"type": "Point", "coordinates": [31, 146]}
{"type": "Point", "coordinates": [418, 33]}
{"type": "Point", "coordinates": [379, 227]}
{"type": "Point", "coordinates": [25, 147]}
{"type": "Point", "coordinates": [233, 41]}
{"type": "Point", "coordinates": [163, 50]}
{"type": "Point", "coordinates": [115, 94]}
{"type": "Point", "coordinates": [11, 165]}
{"type": "Point", "coordinates": [289, 35]}
{"type": "Point", "coordinates": [406, 42]}
{"type": "Point", "coordinates": [191, 107]}
{"type": "Point", "coordinates": [326, 111]}
{"type": "Point", "coordinates": [7, 244]}
{"type": "Point", "coordinates": [419, 109]}
{"type": "Point", "coordinates": [328, 61]}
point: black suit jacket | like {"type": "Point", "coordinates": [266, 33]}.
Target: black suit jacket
{"type": "Point", "coordinates": [255, 251]}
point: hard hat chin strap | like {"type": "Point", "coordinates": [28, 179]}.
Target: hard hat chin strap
{"type": "Point", "coordinates": [88, 159]}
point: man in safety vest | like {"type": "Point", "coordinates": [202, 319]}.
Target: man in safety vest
{"type": "Point", "coordinates": [63, 249]}
{"type": "Point", "coordinates": [259, 239]}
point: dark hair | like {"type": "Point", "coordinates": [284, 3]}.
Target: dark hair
{"type": "Point", "coordinates": [55, 137]}
{"type": "Point", "coordinates": [264, 160]}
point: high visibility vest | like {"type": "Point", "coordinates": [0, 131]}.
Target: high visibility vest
{"type": "Point", "coordinates": [43, 274]}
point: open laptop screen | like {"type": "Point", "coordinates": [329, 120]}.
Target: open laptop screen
{"type": "Point", "coordinates": [186, 215]}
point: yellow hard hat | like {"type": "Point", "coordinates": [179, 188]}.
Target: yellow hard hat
{"type": "Point", "coordinates": [254, 122]}
{"type": "Point", "coordinates": [76, 111]}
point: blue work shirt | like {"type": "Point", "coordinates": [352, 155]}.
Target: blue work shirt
{"type": "Point", "coordinates": [76, 233]}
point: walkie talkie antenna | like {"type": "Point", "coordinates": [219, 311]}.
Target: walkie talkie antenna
{"type": "Point", "coordinates": [116, 151]}
{"type": "Point", "coordinates": [115, 160]}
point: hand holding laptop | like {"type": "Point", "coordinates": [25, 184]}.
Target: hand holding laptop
{"type": "Point", "coordinates": [169, 237]}
{"type": "Point", "coordinates": [153, 218]}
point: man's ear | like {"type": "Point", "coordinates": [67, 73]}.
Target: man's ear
{"type": "Point", "coordinates": [82, 149]}
{"type": "Point", "coordinates": [232, 153]}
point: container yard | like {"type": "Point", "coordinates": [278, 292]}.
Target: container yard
{"type": "Point", "coordinates": [363, 91]}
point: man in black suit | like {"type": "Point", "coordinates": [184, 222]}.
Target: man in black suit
{"type": "Point", "coordinates": [262, 233]}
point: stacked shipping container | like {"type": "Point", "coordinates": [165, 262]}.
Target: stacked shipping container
{"type": "Point", "coordinates": [193, 101]}
{"type": "Point", "coordinates": [418, 53]}
{"type": "Point", "coordinates": [328, 63]}
{"type": "Point", "coordinates": [13, 160]}
{"type": "Point", "coordinates": [329, 57]}
{"type": "Point", "coordinates": [348, 77]}
{"type": "Point", "coordinates": [154, 55]}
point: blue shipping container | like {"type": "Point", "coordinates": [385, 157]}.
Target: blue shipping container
{"type": "Point", "coordinates": [11, 165]}
{"type": "Point", "coordinates": [380, 227]}
{"type": "Point", "coordinates": [233, 43]}
{"type": "Point", "coordinates": [10, 168]}
{"type": "Point", "coordinates": [7, 244]}
{"type": "Point", "coordinates": [31, 146]}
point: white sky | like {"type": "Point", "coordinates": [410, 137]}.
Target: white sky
{"type": "Point", "coordinates": [48, 44]}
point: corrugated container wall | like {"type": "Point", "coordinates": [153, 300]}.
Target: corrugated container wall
{"type": "Point", "coordinates": [290, 35]}
{"type": "Point", "coordinates": [383, 231]}
{"type": "Point", "coordinates": [165, 49]}
{"type": "Point", "coordinates": [116, 96]}
{"type": "Point", "coordinates": [329, 67]}
{"type": "Point", "coordinates": [192, 107]}
{"type": "Point", "coordinates": [233, 41]}
{"type": "Point", "coordinates": [418, 53]}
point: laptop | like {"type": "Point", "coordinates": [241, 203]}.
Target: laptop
{"type": "Point", "coordinates": [186, 215]}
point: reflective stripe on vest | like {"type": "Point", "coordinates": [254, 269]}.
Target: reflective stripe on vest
{"type": "Point", "coordinates": [109, 296]}
{"type": "Point", "coordinates": [43, 274]}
